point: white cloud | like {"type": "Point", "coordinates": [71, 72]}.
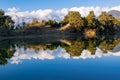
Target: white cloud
{"type": "Point", "coordinates": [21, 54]}
{"type": "Point", "coordinates": [115, 8]}
{"type": "Point", "coordinates": [54, 14]}
{"type": "Point", "coordinates": [13, 9]}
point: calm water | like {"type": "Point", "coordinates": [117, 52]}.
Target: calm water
{"type": "Point", "coordinates": [60, 59]}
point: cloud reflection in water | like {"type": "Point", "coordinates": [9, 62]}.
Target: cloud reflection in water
{"type": "Point", "coordinates": [22, 54]}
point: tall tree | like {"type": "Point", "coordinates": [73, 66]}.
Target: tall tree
{"type": "Point", "coordinates": [2, 12]}
{"type": "Point", "coordinates": [92, 22]}
{"type": "Point", "coordinates": [6, 23]}
{"type": "Point", "coordinates": [52, 23]}
{"type": "Point", "coordinates": [108, 23]}
{"type": "Point", "coordinates": [74, 19]}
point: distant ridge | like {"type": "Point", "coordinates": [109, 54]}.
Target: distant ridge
{"type": "Point", "coordinates": [115, 13]}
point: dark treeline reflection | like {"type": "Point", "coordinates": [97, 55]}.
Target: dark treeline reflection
{"type": "Point", "coordinates": [73, 47]}
{"type": "Point", "coordinates": [6, 51]}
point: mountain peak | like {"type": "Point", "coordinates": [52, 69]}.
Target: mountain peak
{"type": "Point", "coordinates": [115, 13]}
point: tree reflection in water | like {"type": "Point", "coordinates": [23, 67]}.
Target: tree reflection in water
{"type": "Point", "coordinates": [15, 49]}
{"type": "Point", "coordinates": [7, 51]}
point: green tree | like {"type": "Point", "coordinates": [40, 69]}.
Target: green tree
{"type": "Point", "coordinates": [108, 23]}
{"type": "Point", "coordinates": [92, 22]}
{"type": "Point", "coordinates": [6, 24]}
{"type": "Point", "coordinates": [62, 23]}
{"type": "Point", "coordinates": [7, 50]}
{"type": "Point", "coordinates": [52, 23]}
{"type": "Point", "coordinates": [9, 23]}
{"type": "Point", "coordinates": [2, 12]}
{"type": "Point", "coordinates": [74, 19]}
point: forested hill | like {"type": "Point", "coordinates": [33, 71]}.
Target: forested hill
{"type": "Point", "coordinates": [73, 22]}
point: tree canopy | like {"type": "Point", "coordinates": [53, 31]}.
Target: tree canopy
{"type": "Point", "coordinates": [108, 23]}
{"type": "Point", "coordinates": [91, 20]}
{"type": "Point", "coordinates": [104, 24]}
{"type": "Point", "coordinates": [74, 19]}
{"type": "Point", "coordinates": [6, 23]}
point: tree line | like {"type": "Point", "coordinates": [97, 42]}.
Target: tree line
{"type": "Point", "coordinates": [104, 24]}
{"type": "Point", "coordinates": [74, 49]}
{"type": "Point", "coordinates": [6, 23]}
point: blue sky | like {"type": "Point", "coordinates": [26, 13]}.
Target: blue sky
{"type": "Point", "coordinates": [54, 9]}
{"type": "Point", "coordinates": [55, 4]}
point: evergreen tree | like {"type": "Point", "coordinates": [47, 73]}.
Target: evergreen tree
{"type": "Point", "coordinates": [74, 19]}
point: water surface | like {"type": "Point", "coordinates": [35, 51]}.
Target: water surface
{"type": "Point", "coordinates": [60, 59]}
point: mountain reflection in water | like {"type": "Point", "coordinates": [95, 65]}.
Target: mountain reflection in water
{"type": "Point", "coordinates": [18, 50]}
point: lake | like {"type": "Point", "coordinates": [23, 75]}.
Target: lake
{"type": "Point", "coordinates": [60, 59]}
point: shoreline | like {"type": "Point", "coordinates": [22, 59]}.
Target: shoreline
{"type": "Point", "coordinates": [57, 36]}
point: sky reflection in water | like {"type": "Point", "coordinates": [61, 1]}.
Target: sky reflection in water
{"type": "Point", "coordinates": [21, 54]}
{"type": "Point", "coordinates": [60, 60]}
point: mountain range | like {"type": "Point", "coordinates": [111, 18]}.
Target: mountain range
{"type": "Point", "coordinates": [19, 20]}
{"type": "Point", "coordinates": [115, 13]}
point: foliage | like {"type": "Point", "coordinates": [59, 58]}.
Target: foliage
{"type": "Point", "coordinates": [6, 51]}
{"type": "Point", "coordinates": [52, 23]}
{"type": "Point", "coordinates": [74, 19]}
{"type": "Point", "coordinates": [104, 24]}
{"type": "Point", "coordinates": [92, 22]}
{"type": "Point", "coordinates": [108, 23]}
{"type": "Point", "coordinates": [6, 24]}
{"type": "Point", "coordinates": [2, 12]}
